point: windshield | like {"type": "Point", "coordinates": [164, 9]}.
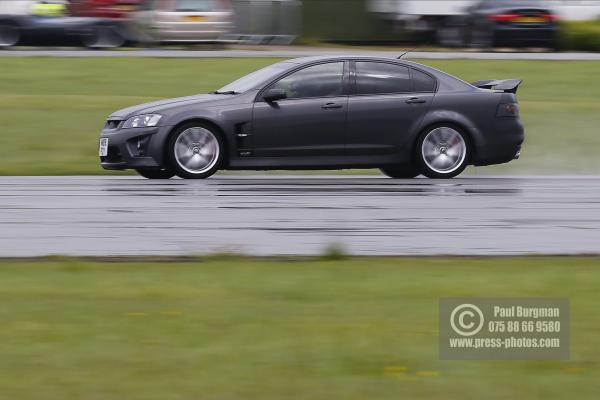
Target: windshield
{"type": "Point", "coordinates": [516, 3]}
{"type": "Point", "coordinates": [256, 78]}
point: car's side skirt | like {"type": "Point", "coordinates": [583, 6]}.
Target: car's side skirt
{"type": "Point", "coordinates": [315, 162]}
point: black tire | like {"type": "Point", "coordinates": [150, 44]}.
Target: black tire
{"type": "Point", "coordinates": [104, 37]}
{"type": "Point", "coordinates": [442, 151]}
{"type": "Point", "coordinates": [210, 161]}
{"type": "Point", "coordinates": [164, 173]}
{"type": "Point", "coordinates": [400, 171]}
{"type": "Point", "coordinates": [10, 35]}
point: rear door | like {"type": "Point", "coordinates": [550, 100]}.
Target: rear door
{"type": "Point", "coordinates": [311, 120]}
{"type": "Point", "coordinates": [387, 102]}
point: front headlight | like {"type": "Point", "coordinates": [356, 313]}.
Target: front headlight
{"type": "Point", "coordinates": [142, 121]}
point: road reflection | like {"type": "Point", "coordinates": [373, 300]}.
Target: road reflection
{"type": "Point", "coordinates": [315, 186]}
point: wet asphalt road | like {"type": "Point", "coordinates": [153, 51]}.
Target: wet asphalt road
{"type": "Point", "coordinates": [268, 215]}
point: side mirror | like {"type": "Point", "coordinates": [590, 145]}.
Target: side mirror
{"type": "Point", "coordinates": [273, 95]}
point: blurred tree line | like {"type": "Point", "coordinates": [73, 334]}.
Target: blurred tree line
{"type": "Point", "coordinates": [344, 21]}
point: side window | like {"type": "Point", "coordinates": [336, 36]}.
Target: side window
{"type": "Point", "coordinates": [423, 82]}
{"type": "Point", "coordinates": [380, 78]}
{"type": "Point", "coordinates": [323, 80]}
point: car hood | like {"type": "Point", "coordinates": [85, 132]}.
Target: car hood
{"type": "Point", "coordinates": [164, 105]}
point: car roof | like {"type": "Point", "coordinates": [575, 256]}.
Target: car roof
{"type": "Point", "coordinates": [306, 60]}
{"type": "Point", "coordinates": [311, 59]}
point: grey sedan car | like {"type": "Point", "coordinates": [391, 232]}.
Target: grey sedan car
{"type": "Point", "coordinates": [339, 112]}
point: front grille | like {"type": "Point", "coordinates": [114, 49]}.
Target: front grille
{"type": "Point", "coordinates": [113, 124]}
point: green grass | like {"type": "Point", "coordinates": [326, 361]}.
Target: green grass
{"type": "Point", "coordinates": [265, 329]}
{"type": "Point", "coordinates": [52, 109]}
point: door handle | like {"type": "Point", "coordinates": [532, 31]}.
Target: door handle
{"type": "Point", "coordinates": [415, 100]}
{"type": "Point", "coordinates": [331, 106]}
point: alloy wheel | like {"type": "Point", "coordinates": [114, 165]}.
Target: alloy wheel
{"type": "Point", "coordinates": [444, 150]}
{"type": "Point", "coordinates": [196, 150]}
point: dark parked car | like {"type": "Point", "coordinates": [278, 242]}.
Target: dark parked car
{"type": "Point", "coordinates": [322, 113]}
{"type": "Point", "coordinates": [512, 23]}
{"type": "Point", "coordinates": [40, 23]}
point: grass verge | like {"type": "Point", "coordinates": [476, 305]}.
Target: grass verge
{"type": "Point", "coordinates": [235, 328]}
{"type": "Point", "coordinates": [52, 109]}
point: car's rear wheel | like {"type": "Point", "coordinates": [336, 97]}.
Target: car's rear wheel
{"type": "Point", "coordinates": [9, 35]}
{"type": "Point", "coordinates": [195, 151]}
{"type": "Point", "coordinates": [482, 39]}
{"type": "Point", "coordinates": [401, 171]}
{"type": "Point", "coordinates": [164, 173]}
{"type": "Point", "coordinates": [442, 151]}
{"type": "Point", "coordinates": [104, 37]}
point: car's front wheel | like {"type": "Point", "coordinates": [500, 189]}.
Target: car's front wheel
{"type": "Point", "coordinates": [195, 151]}
{"type": "Point", "coordinates": [442, 152]}
{"type": "Point", "coordinates": [9, 35]}
{"type": "Point", "coordinates": [164, 173]}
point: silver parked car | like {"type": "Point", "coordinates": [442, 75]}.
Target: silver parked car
{"type": "Point", "coordinates": [184, 21]}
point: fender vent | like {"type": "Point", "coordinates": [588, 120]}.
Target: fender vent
{"type": "Point", "coordinates": [243, 139]}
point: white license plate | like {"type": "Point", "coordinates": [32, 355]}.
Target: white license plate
{"type": "Point", "coordinates": [103, 148]}
{"type": "Point", "coordinates": [195, 18]}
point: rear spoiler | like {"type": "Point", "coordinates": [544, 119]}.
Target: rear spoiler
{"type": "Point", "coordinates": [506, 85]}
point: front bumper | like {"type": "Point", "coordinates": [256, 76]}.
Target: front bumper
{"type": "Point", "coordinates": [135, 148]}
{"type": "Point", "coordinates": [191, 32]}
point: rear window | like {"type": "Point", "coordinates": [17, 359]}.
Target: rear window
{"type": "Point", "coordinates": [198, 5]}
{"type": "Point", "coordinates": [423, 82]}
{"type": "Point", "coordinates": [511, 3]}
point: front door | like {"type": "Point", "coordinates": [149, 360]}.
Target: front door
{"type": "Point", "coordinates": [310, 121]}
